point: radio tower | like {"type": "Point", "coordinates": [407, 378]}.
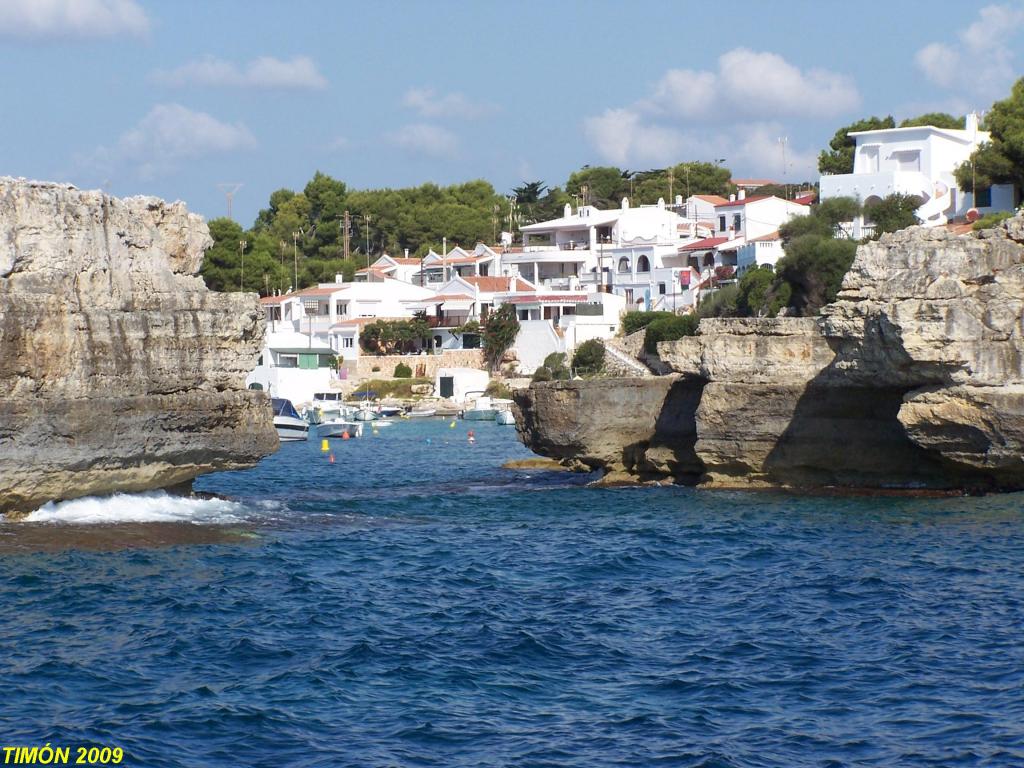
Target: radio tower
{"type": "Point", "coordinates": [229, 188]}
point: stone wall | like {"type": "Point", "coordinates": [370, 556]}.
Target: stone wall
{"type": "Point", "coordinates": [452, 358]}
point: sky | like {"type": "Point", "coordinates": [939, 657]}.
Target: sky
{"type": "Point", "coordinates": [179, 99]}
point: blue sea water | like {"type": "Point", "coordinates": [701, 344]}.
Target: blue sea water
{"type": "Point", "coordinates": [414, 604]}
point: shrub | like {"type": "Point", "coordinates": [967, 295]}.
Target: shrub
{"type": "Point", "coordinates": [589, 357]}
{"type": "Point", "coordinates": [497, 388]}
{"type": "Point", "coordinates": [403, 371]}
{"type": "Point", "coordinates": [389, 387]}
{"type": "Point", "coordinates": [635, 321]}
{"type": "Point", "coordinates": [669, 329]}
{"type": "Point", "coordinates": [375, 369]}
{"type": "Point", "coordinates": [553, 368]}
{"type": "Point", "coordinates": [989, 220]}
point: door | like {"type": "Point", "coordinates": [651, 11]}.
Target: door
{"type": "Point", "coordinates": [447, 386]}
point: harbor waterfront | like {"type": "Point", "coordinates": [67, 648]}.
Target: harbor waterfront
{"type": "Point", "coordinates": [413, 603]}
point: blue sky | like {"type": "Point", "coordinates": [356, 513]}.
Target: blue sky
{"type": "Point", "coordinates": [172, 99]}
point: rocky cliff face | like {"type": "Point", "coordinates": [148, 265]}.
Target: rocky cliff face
{"type": "Point", "coordinates": [914, 378]}
{"type": "Point", "coordinates": [119, 370]}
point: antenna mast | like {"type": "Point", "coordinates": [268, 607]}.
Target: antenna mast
{"type": "Point", "coordinates": [229, 188]}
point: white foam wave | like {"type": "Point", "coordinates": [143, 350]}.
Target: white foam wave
{"type": "Point", "coordinates": [154, 507]}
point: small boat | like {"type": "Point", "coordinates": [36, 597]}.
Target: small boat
{"type": "Point", "coordinates": [289, 425]}
{"type": "Point", "coordinates": [365, 414]}
{"type": "Point", "coordinates": [505, 418]}
{"type": "Point", "coordinates": [336, 424]}
{"type": "Point", "coordinates": [387, 411]}
{"type": "Point", "coordinates": [481, 410]}
{"type": "Point", "coordinates": [421, 414]}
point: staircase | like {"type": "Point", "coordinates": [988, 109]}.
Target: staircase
{"type": "Point", "coordinates": [620, 363]}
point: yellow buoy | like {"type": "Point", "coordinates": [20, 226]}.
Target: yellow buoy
{"type": "Point", "coordinates": [452, 425]}
{"type": "Point", "coordinates": [323, 445]}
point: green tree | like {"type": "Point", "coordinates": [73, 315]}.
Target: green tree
{"type": "Point", "coordinates": [756, 294]}
{"type": "Point", "coordinates": [936, 119]}
{"type": "Point", "coordinates": [499, 334]}
{"type": "Point", "coordinates": [839, 157]}
{"type": "Point", "coordinates": [588, 360]}
{"type": "Point", "coordinates": [1000, 160]}
{"type": "Point", "coordinates": [814, 267]}
{"type": "Point", "coordinates": [553, 368]}
{"type": "Point", "coordinates": [601, 186]}
{"type": "Point", "coordinates": [222, 262]}
{"type": "Point", "coordinates": [893, 212]}
{"type": "Point", "coordinates": [669, 329]}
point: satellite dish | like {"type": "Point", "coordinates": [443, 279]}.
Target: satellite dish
{"type": "Point", "coordinates": [972, 215]}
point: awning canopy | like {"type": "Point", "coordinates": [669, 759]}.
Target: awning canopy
{"type": "Point", "coordinates": [457, 305]}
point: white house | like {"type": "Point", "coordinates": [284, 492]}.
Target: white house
{"type": "Point", "coordinates": [629, 251]}
{"type": "Point", "coordinates": [917, 161]}
{"type": "Point", "coordinates": [310, 331]}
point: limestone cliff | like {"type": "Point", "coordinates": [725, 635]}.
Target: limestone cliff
{"type": "Point", "coordinates": [914, 377]}
{"type": "Point", "coordinates": [119, 370]}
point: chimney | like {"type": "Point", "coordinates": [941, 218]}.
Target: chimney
{"type": "Point", "coordinates": [679, 199]}
{"type": "Point", "coordinates": [407, 253]}
{"type": "Point", "coordinates": [661, 203]}
{"type": "Point", "coordinates": [732, 198]}
{"type": "Point", "coordinates": [625, 203]}
{"type": "Point", "coordinates": [971, 124]}
{"type": "Point", "coordinates": [567, 211]}
{"type": "Point", "coordinates": [743, 194]}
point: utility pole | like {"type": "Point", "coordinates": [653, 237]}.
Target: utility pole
{"type": "Point", "coordinates": [295, 243]}
{"type": "Point", "coordinates": [229, 188]}
{"type": "Point", "coordinates": [671, 179]}
{"type": "Point", "coordinates": [347, 234]}
{"type": "Point", "coordinates": [366, 220]}
{"type": "Point", "coordinates": [783, 140]}
{"type": "Point", "coordinates": [241, 275]}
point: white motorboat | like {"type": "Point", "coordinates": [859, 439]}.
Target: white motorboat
{"type": "Point", "coordinates": [335, 423]}
{"type": "Point", "coordinates": [505, 418]}
{"type": "Point", "coordinates": [420, 414]}
{"type": "Point", "coordinates": [481, 410]}
{"type": "Point", "coordinates": [289, 425]}
{"type": "Point", "coordinates": [365, 414]}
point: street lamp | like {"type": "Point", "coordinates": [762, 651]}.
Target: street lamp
{"type": "Point", "coordinates": [241, 275]}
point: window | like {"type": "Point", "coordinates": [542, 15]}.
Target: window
{"type": "Point", "coordinates": [643, 265]}
{"type": "Point", "coordinates": [341, 309]}
{"type": "Point", "coordinates": [623, 265]}
{"type": "Point", "coordinates": [287, 361]}
{"type": "Point", "coordinates": [661, 289]}
{"type": "Point", "coordinates": [737, 221]}
{"type": "Point", "coordinates": [470, 341]}
{"type": "Point", "coordinates": [983, 198]}
{"type": "Point", "coordinates": [347, 342]}
{"type": "Point", "coordinates": [907, 159]}
{"type": "Point", "coordinates": [721, 223]}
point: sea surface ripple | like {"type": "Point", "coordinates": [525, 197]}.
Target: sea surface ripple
{"type": "Point", "coordinates": [413, 604]}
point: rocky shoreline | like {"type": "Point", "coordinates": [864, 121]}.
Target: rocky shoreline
{"type": "Point", "coordinates": [912, 379]}
{"type": "Point", "coordinates": [119, 370]}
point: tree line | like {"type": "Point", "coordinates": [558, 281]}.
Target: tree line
{"type": "Point", "coordinates": [298, 240]}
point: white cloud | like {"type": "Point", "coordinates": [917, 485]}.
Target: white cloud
{"type": "Point", "coordinates": [732, 111]}
{"type": "Point", "coordinates": [982, 62]}
{"type": "Point", "coordinates": [266, 72]}
{"type": "Point", "coordinates": [425, 139]}
{"type": "Point", "coordinates": [338, 144]}
{"type": "Point", "coordinates": [428, 103]}
{"type": "Point", "coordinates": [749, 83]}
{"type": "Point", "coordinates": [63, 19]}
{"type": "Point", "coordinates": [168, 135]}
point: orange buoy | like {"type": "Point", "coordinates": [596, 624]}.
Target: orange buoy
{"type": "Point", "coordinates": [345, 435]}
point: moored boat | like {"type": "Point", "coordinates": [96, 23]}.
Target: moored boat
{"type": "Point", "coordinates": [289, 425]}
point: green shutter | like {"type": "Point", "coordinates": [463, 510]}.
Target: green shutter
{"type": "Point", "coordinates": [307, 360]}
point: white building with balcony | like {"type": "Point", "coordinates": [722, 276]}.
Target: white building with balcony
{"type": "Point", "coordinates": [633, 252]}
{"type": "Point", "coordinates": [917, 161]}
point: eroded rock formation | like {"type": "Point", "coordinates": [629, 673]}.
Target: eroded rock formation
{"type": "Point", "coordinates": [914, 378]}
{"type": "Point", "coordinates": [119, 370]}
